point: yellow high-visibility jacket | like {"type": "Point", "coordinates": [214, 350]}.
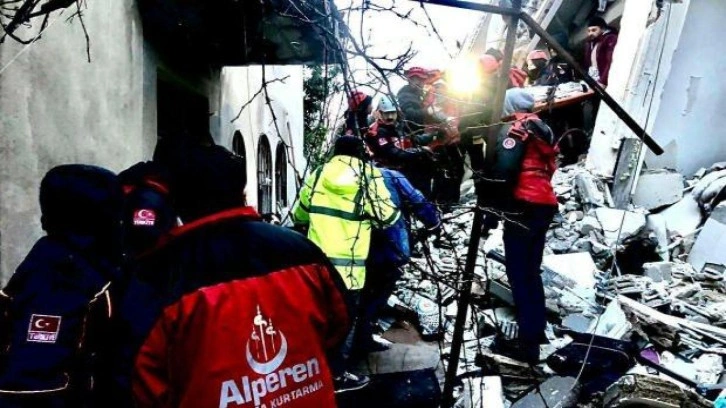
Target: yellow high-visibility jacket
{"type": "Point", "coordinates": [341, 201]}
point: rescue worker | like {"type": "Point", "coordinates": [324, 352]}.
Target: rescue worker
{"type": "Point", "coordinates": [557, 71]}
{"type": "Point", "coordinates": [54, 311]}
{"type": "Point", "coordinates": [446, 147]}
{"type": "Point", "coordinates": [517, 76]}
{"type": "Point", "coordinates": [360, 106]}
{"type": "Point", "coordinates": [340, 203]}
{"type": "Point", "coordinates": [536, 62]}
{"type": "Point", "coordinates": [392, 150]}
{"type": "Point", "coordinates": [227, 305]}
{"type": "Point", "coordinates": [475, 116]}
{"type": "Point", "coordinates": [525, 163]}
{"type": "Point", "coordinates": [148, 211]}
{"type": "Point", "coordinates": [415, 118]}
{"type": "Point", "coordinates": [390, 250]}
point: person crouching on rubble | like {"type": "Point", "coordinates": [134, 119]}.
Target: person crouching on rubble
{"type": "Point", "coordinates": [525, 162]}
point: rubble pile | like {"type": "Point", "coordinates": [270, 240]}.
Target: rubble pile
{"type": "Point", "coordinates": [637, 297]}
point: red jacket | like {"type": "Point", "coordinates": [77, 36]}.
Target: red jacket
{"type": "Point", "coordinates": [605, 47]}
{"type": "Point", "coordinates": [538, 166]}
{"type": "Point", "coordinates": [233, 312]}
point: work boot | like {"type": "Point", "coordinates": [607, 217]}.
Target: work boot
{"type": "Point", "coordinates": [350, 382]}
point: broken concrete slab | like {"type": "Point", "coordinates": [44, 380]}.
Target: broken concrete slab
{"type": "Point", "coordinates": [612, 220]}
{"type": "Point", "coordinates": [590, 194]}
{"type": "Point", "coordinates": [577, 322]}
{"type": "Point", "coordinates": [589, 223]}
{"type": "Point", "coordinates": [658, 271]}
{"type": "Point", "coordinates": [556, 391]}
{"type": "Point", "coordinates": [578, 267]}
{"type": "Point", "coordinates": [650, 391]}
{"type": "Point", "coordinates": [683, 217]}
{"type": "Point", "coordinates": [481, 391]}
{"type": "Point", "coordinates": [658, 188]}
{"type": "Point", "coordinates": [612, 323]}
{"type": "Point", "coordinates": [711, 241]}
{"type": "Point", "coordinates": [656, 224]}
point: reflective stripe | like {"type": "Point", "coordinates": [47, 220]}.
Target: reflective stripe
{"type": "Point", "coordinates": [347, 262]}
{"type": "Point", "coordinates": [392, 218]}
{"type": "Point", "coordinates": [316, 209]}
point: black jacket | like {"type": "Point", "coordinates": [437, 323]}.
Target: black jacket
{"type": "Point", "coordinates": [410, 101]}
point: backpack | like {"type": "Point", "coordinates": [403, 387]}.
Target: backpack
{"type": "Point", "coordinates": [54, 314]}
{"type": "Point", "coordinates": [505, 167]}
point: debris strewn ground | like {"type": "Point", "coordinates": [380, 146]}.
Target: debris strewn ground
{"type": "Point", "coordinates": [636, 296]}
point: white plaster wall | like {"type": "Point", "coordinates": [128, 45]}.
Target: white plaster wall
{"type": "Point", "coordinates": [239, 85]}
{"type": "Point", "coordinates": [57, 108]}
{"type": "Point", "coordinates": [689, 121]}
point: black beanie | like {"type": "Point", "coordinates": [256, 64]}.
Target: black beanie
{"type": "Point", "coordinates": [597, 22]}
{"type": "Point", "coordinates": [349, 146]}
{"type": "Point", "coordinates": [205, 179]}
{"type": "Point", "coordinates": [80, 199]}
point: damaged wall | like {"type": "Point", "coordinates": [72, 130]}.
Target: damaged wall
{"type": "Point", "coordinates": [639, 72]}
{"type": "Point", "coordinates": [674, 83]}
{"type": "Point", "coordinates": [689, 124]}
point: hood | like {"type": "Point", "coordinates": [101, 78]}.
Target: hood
{"type": "Point", "coordinates": [81, 204]}
{"type": "Point", "coordinates": [341, 175]}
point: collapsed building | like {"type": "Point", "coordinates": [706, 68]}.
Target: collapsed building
{"type": "Point", "coordinates": [634, 264]}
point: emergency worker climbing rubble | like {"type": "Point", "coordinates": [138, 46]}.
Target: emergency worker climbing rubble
{"type": "Point", "coordinates": [341, 202]}
{"type": "Point", "coordinates": [525, 162]}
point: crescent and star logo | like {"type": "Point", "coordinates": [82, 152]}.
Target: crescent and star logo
{"type": "Point", "coordinates": [267, 347]}
{"type": "Point", "coordinates": [144, 217]}
{"type": "Point", "coordinates": [43, 328]}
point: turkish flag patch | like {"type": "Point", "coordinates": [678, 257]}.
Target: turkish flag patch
{"type": "Point", "coordinates": [509, 143]}
{"type": "Point", "coordinates": [43, 328]}
{"type": "Point", "coordinates": [144, 217]}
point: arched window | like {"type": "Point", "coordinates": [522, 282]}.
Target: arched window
{"type": "Point", "coordinates": [264, 176]}
{"type": "Point", "coordinates": [238, 145]}
{"type": "Point", "coordinates": [281, 175]}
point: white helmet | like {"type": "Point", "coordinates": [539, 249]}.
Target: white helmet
{"type": "Point", "coordinates": [386, 105]}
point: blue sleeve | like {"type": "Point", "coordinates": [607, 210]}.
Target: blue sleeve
{"type": "Point", "coordinates": [415, 200]}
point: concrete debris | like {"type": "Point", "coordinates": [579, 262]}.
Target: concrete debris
{"type": "Point", "coordinates": [579, 267]}
{"type": "Point", "coordinates": [612, 323]}
{"type": "Point", "coordinates": [710, 243]}
{"type": "Point", "coordinates": [658, 271]}
{"type": "Point", "coordinates": [682, 218]}
{"type": "Point", "coordinates": [556, 391]}
{"type": "Point", "coordinates": [482, 391]}
{"type": "Point", "coordinates": [649, 391]}
{"type": "Point", "coordinates": [619, 225]}
{"type": "Point", "coordinates": [657, 189]}
{"type": "Point", "coordinates": [619, 276]}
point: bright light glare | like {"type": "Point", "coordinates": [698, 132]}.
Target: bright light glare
{"type": "Point", "coordinates": [463, 76]}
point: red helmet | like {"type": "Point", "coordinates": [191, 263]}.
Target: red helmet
{"type": "Point", "coordinates": [416, 72]}
{"type": "Point", "coordinates": [355, 99]}
{"type": "Point", "coordinates": [489, 64]}
{"type": "Point", "coordinates": [537, 54]}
